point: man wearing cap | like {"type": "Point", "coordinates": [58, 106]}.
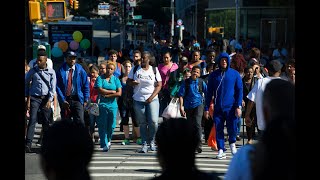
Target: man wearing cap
{"type": "Point", "coordinates": [33, 61]}
{"type": "Point", "coordinates": [255, 95]}
{"type": "Point", "coordinates": [72, 89]}
{"type": "Point", "coordinates": [40, 88]}
{"type": "Point", "coordinates": [42, 49]}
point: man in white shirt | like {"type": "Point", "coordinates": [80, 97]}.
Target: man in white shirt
{"type": "Point", "coordinates": [255, 95]}
{"type": "Point", "coordinates": [33, 61]}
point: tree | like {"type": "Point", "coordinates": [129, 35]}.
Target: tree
{"type": "Point", "coordinates": [150, 9]}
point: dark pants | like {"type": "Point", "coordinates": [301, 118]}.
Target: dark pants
{"type": "Point", "coordinates": [37, 103]}
{"type": "Point", "coordinates": [207, 124]}
{"type": "Point", "coordinates": [195, 116]}
{"type": "Point", "coordinates": [76, 110]}
{"type": "Point", "coordinates": [125, 113]}
{"type": "Point", "coordinates": [251, 129]}
{"type": "Point", "coordinates": [164, 100]}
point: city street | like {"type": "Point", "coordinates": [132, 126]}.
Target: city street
{"type": "Point", "coordinates": [124, 163]}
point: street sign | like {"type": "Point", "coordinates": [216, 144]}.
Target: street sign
{"type": "Point", "coordinates": [104, 9]}
{"type": "Point", "coordinates": [132, 3]}
{"type": "Point", "coordinates": [179, 22]}
{"type": "Point", "coordinates": [137, 17]}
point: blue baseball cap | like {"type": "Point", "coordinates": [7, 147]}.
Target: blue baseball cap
{"type": "Point", "coordinates": [71, 54]}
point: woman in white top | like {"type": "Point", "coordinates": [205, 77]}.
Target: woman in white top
{"type": "Point", "coordinates": [147, 84]}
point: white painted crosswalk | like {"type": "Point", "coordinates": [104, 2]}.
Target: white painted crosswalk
{"type": "Point", "coordinates": [131, 164]}
{"type": "Point", "coordinates": [124, 161]}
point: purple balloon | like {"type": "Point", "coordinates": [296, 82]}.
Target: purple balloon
{"type": "Point", "coordinates": [74, 45]}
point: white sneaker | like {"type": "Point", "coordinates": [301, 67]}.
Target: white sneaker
{"type": "Point", "coordinates": [233, 148]}
{"type": "Point", "coordinates": [221, 155]}
{"type": "Point", "coordinates": [109, 145]}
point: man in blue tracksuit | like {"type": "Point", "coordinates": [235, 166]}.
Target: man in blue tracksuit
{"type": "Point", "coordinates": [72, 89]}
{"type": "Point", "coordinates": [225, 88]}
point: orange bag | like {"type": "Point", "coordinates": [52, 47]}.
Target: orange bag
{"type": "Point", "coordinates": [212, 141]}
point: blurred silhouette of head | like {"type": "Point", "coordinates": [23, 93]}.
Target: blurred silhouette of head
{"type": "Point", "coordinates": [173, 135]}
{"type": "Point", "coordinates": [66, 151]}
{"type": "Point", "coordinates": [280, 133]}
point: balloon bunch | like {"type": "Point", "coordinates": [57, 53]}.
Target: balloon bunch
{"type": "Point", "coordinates": [62, 46]}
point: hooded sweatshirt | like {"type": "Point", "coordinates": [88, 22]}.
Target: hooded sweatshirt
{"type": "Point", "coordinates": [225, 85]}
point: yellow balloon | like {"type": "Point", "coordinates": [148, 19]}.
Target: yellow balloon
{"type": "Point", "coordinates": [63, 45]}
{"type": "Point", "coordinates": [77, 36]}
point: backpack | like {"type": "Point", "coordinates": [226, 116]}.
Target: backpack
{"type": "Point", "coordinates": [200, 85]}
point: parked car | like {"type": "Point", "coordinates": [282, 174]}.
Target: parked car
{"type": "Point", "coordinates": [38, 33]}
{"type": "Point", "coordinates": [79, 18]}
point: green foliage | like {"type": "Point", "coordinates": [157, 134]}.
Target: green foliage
{"type": "Point", "coordinates": [223, 18]}
{"type": "Point", "coordinates": [149, 9]}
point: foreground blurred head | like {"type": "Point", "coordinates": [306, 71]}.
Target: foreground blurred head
{"type": "Point", "coordinates": [177, 141]}
{"type": "Point", "coordinates": [66, 151]}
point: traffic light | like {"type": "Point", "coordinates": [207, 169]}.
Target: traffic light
{"type": "Point", "coordinates": [219, 30]}
{"type": "Point", "coordinates": [34, 11]}
{"type": "Point", "coordinates": [75, 5]}
{"type": "Point", "coordinates": [212, 30]}
{"type": "Point", "coordinates": [71, 3]}
{"type": "Point", "coordinates": [55, 10]}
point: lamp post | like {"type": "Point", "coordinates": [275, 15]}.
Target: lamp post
{"type": "Point", "coordinates": [172, 18]}
{"type": "Point", "coordinates": [110, 31]}
{"type": "Point", "coordinates": [237, 17]}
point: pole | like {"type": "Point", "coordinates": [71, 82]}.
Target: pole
{"type": "Point", "coordinates": [237, 23]}
{"type": "Point", "coordinates": [110, 31]}
{"type": "Point", "coordinates": [172, 18]}
{"type": "Point", "coordinates": [196, 20]}
{"type": "Point", "coordinates": [134, 29]}
{"type": "Point", "coordinates": [134, 34]}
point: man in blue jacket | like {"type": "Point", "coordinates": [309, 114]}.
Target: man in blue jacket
{"type": "Point", "coordinates": [225, 88]}
{"type": "Point", "coordinates": [72, 89]}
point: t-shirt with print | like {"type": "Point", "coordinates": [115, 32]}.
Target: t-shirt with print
{"type": "Point", "coordinates": [146, 80]}
{"type": "Point", "coordinates": [113, 84]}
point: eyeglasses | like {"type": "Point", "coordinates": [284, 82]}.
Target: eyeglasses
{"type": "Point", "coordinates": [127, 66]}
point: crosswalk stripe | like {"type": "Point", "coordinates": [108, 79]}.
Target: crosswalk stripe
{"type": "Point", "coordinates": [153, 158]}
{"type": "Point", "coordinates": [122, 175]}
{"type": "Point", "coordinates": [153, 162]}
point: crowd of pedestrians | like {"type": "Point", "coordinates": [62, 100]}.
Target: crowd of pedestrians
{"type": "Point", "coordinates": [141, 85]}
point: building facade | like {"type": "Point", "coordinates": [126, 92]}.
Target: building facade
{"type": "Point", "coordinates": [265, 21]}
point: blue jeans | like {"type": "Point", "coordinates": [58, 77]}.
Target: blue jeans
{"type": "Point", "coordinates": [148, 117]}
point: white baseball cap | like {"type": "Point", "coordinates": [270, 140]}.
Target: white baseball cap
{"type": "Point", "coordinates": [41, 47]}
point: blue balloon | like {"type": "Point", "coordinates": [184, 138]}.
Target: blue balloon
{"type": "Point", "coordinates": [56, 52]}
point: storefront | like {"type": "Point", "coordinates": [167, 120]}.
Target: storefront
{"type": "Point", "coordinates": [265, 25]}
